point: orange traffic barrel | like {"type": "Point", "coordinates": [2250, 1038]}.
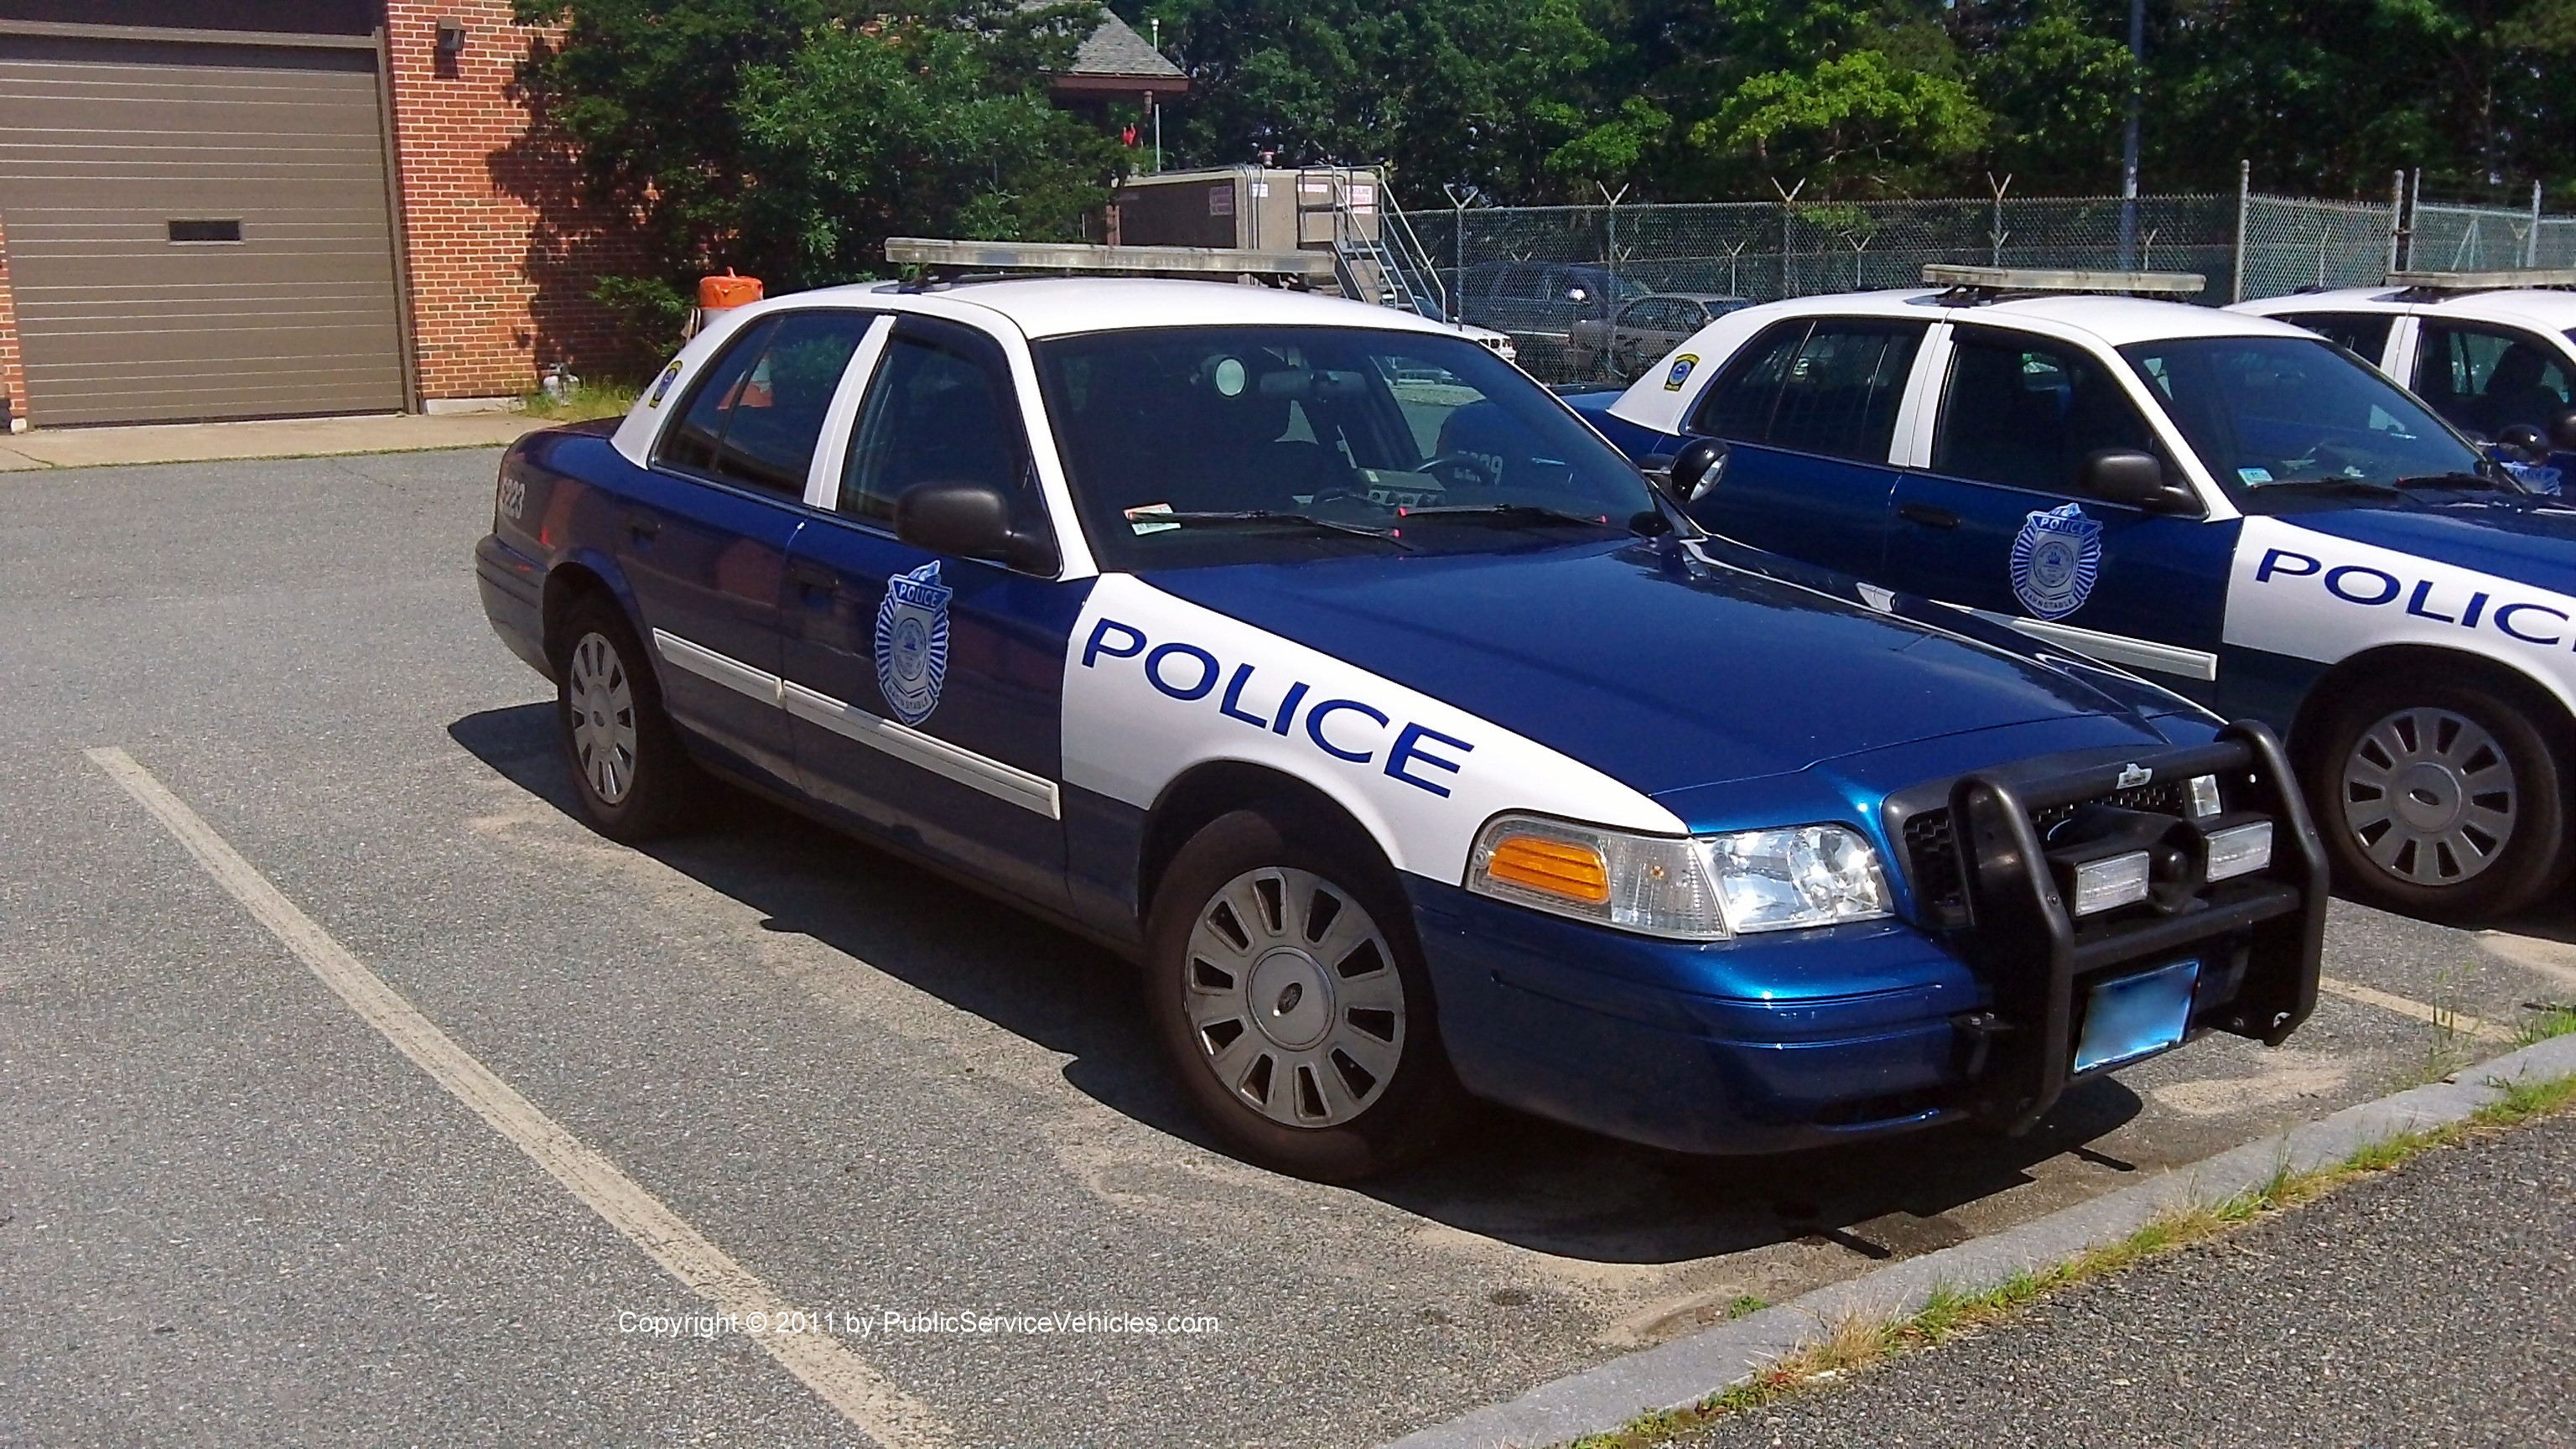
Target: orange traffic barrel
{"type": "Point", "coordinates": [718, 293]}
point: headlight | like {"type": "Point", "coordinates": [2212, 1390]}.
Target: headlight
{"type": "Point", "coordinates": [1693, 888]}
{"type": "Point", "coordinates": [2239, 850]}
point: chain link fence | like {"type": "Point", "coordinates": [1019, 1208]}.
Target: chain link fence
{"type": "Point", "coordinates": [1517, 268]}
{"type": "Point", "coordinates": [2288, 244]}
{"type": "Point", "coordinates": [2471, 238]}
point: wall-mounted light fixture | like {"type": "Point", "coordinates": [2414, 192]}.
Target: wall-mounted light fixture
{"type": "Point", "coordinates": [451, 37]}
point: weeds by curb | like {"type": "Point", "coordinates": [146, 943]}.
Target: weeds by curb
{"type": "Point", "coordinates": [1855, 1342]}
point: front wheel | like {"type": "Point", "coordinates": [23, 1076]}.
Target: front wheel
{"type": "Point", "coordinates": [1285, 983]}
{"type": "Point", "coordinates": [2439, 798]}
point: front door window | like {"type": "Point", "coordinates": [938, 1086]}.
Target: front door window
{"type": "Point", "coordinates": [2484, 380]}
{"type": "Point", "coordinates": [2025, 414]}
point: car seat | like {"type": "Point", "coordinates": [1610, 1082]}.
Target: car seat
{"type": "Point", "coordinates": [1239, 455]}
{"type": "Point", "coordinates": [2515, 392]}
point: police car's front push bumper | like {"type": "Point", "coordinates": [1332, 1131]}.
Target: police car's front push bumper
{"type": "Point", "coordinates": [1771, 1043]}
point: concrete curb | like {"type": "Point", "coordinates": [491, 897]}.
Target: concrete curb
{"type": "Point", "coordinates": [1688, 1370]}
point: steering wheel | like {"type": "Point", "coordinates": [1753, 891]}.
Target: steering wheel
{"type": "Point", "coordinates": [1331, 493]}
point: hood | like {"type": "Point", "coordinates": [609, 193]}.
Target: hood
{"type": "Point", "coordinates": [2531, 539]}
{"type": "Point", "coordinates": [1659, 670]}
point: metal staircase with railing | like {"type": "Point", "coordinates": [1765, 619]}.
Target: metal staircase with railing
{"type": "Point", "coordinates": [1377, 256]}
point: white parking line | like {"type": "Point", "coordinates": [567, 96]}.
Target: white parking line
{"type": "Point", "coordinates": [2441, 1017]}
{"type": "Point", "coordinates": [841, 1378]}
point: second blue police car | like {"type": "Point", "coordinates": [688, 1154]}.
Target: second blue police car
{"type": "Point", "coordinates": [2240, 509]}
{"type": "Point", "coordinates": [1327, 666]}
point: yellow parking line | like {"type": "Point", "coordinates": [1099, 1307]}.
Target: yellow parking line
{"type": "Point", "coordinates": [2441, 1017]}
{"type": "Point", "coordinates": [841, 1378]}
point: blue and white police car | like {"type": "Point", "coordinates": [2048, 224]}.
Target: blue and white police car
{"type": "Point", "coordinates": [1329, 667]}
{"type": "Point", "coordinates": [2230, 505]}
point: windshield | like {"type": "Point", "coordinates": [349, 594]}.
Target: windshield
{"type": "Point", "coordinates": [1192, 445]}
{"type": "Point", "coordinates": [2263, 412]}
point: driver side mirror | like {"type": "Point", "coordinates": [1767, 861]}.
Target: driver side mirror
{"type": "Point", "coordinates": [969, 520]}
{"type": "Point", "coordinates": [2126, 476]}
{"type": "Point", "coordinates": [1696, 470]}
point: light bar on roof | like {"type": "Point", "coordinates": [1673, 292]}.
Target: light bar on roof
{"type": "Point", "coordinates": [2048, 279]}
{"type": "Point", "coordinates": [1004, 256]}
{"type": "Point", "coordinates": [2503, 281]}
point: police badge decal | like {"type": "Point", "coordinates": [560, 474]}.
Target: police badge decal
{"type": "Point", "coordinates": [2055, 559]}
{"type": "Point", "coordinates": [912, 642]}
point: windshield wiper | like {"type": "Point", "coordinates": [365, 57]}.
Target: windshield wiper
{"type": "Point", "coordinates": [2506, 484]}
{"type": "Point", "coordinates": [1508, 513]}
{"type": "Point", "coordinates": [1270, 516]}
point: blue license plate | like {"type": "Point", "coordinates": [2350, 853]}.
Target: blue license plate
{"type": "Point", "coordinates": [2136, 1016]}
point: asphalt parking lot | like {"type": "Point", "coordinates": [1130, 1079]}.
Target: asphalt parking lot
{"type": "Point", "coordinates": [231, 1210]}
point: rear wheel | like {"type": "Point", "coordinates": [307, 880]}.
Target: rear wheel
{"type": "Point", "coordinates": [1283, 977]}
{"type": "Point", "coordinates": [2439, 797]}
{"type": "Point", "coordinates": [631, 776]}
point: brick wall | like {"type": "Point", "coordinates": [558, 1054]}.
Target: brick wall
{"type": "Point", "coordinates": [502, 253]}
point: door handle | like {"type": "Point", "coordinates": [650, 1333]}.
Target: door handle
{"type": "Point", "coordinates": [813, 576]}
{"type": "Point", "coordinates": [643, 525]}
{"type": "Point", "coordinates": [1927, 515]}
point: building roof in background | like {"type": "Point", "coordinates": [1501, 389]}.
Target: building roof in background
{"type": "Point", "coordinates": [1116, 49]}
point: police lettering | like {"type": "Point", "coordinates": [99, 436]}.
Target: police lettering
{"type": "Point", "coordinates": [2371, 588]}
{"type": "Point", "coordinates": [1346, 729]}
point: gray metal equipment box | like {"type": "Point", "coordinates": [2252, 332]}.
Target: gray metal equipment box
{"type": "Point", "coordinates": [1251, 207]}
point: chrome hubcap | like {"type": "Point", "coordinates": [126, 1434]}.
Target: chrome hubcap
{"type": "Point", "coordinates": [2430, 795]}
{"type": "Point", "coordinates": [1294, 998]}
{"type": "Point", "coordinates": [601, 701]}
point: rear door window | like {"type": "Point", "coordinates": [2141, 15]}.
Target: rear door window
{"type": "Point", "coordinates": [758, 413]}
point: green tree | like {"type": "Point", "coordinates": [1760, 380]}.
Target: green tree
{"type": "Point", "coordinates": [2056, 75]}
{"type": "Point", "coordinates": [789, 138]}
{"type": "Point", "coordinates": [1487, 92]}
{"type": "Point", "coordinates": [1859, 120]}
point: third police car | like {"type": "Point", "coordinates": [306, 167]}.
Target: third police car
{"type": "Point", "coordinates": [2232, 506]}
{"type": "Point", "coordinates": [1322, 662]}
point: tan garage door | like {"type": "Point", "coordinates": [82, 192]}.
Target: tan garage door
{"type": "Point", "coordinates": [196, 231]}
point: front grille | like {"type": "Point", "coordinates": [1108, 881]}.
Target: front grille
{"type": "Point", "coordinates": [1932, 851]}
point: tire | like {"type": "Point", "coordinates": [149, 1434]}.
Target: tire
{"type": "Point", "coordinates": [1312, 1050]}
{"type": "Point", "coordinates": [632, 778]}
{"type": "Point", "coordinates": [2438, 797]}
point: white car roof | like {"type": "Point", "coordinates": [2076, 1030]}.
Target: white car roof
{"type": "Point", "coordinates": [2116, 321]}
{"type": "Point", "coordinates": [1652, 402]}
{"type": "Point", "coordinates": [1064, 306]}
{"type": "Point", "coordinates": [2553, 310]}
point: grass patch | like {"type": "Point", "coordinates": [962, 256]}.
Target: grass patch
{"type": "Point", "coordinates": [1856, 1342]}
{"type": "Point", "coordinates": [588, 400]}
{"type": "Point", "coordinates": [2542, 1021]}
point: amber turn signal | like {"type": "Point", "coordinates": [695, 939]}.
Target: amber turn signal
{"type": "Point", "coordinates": [1555, 867]}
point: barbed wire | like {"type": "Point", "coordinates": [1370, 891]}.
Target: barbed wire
{"type": "Point", "coordinates": [1518, 263]}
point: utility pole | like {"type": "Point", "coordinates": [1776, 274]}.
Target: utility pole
{"type": "Point", "coordinates": [2129, 135]}
{"type": "Point", "coordinates": [1153, 103]}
